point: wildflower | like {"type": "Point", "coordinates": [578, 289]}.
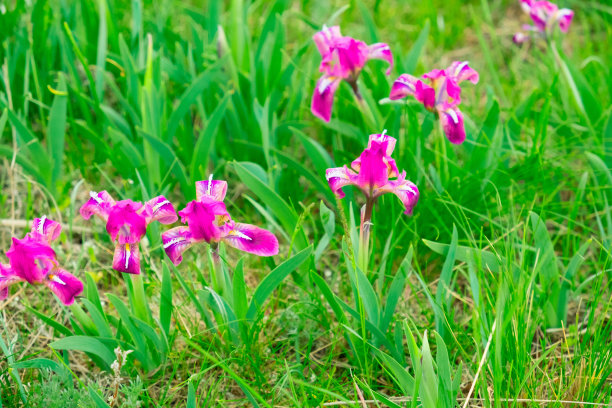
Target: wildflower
{"type": "Point", "coordinates": [439, 92]}
{"type": "Point", "coordinates": [373, 171]}
{"type": "Point", "coordinates": [343, 58]}
{"type": "Point", "coordinates": [545, 16]}
{"type": "Point", "coordinates": [32, 260]}
{"type": "Point", "coordinates": [208, 221]}
{"type": "Point", "coordinates": [126, 222]}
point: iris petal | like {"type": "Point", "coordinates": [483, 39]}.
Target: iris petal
{"type": "Point", "coordinates": [323, 97]}
{"type": "Point", "coordinates": [65, 285]}
{"type": "Point", "coordinates": [252, 239]}
{"type": "Point", "coordinates": [127, 258]}
{"type": "Point", "coordinates": [99, 204]}
{"type": "Point", "coordinates": [162, 210]}
{"type": "Point", "coordinates": [176, 241]}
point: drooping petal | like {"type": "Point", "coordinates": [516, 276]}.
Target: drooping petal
{"type": "Point", "coordinates": [162, 210]}
{"type": "Point", "coordinates": [252, 239]}
{"type": "Point", "coordinates": [526, 5]}
{"type": "Point", "coordinates": [215, 189]}
{"type": "Point", "coordinates": [326, 38]}
{"type": "Point", "coordinates": [127, 221]}
{"type": "Point", "coordinates": [541, 13]}
{"type": "Point", "coordinates": [7, 278]}
{"type": "Point", "coordinates": [206, 219]}
{"type": "Point", "coordinates": [565, 16]}
{"type": "Point", "coordinates": [403, 86]}
{"type": "Point", "coordinates": [460, 71]}
{"type": "Point", "coordinates": [383, 52]}
{"type": "Point", "coordinates": [176, 241]}
{"type": "Point", "coordinates": [99, 204]}
{"type": "Point", "coordinates": [127, 258]}
{"type": "Point", "coordinates": [29, 259]}
{"type": "Point", "coordinates": [46, 229]}
{"type": "Point", "coordinates": [452, 123]}
{"type": "Point", "coordinates": [405, 190]}
{"type": "Point", "coordinates": [323, 97]}
{"type": "Point", "coordinates": [65, 285]}
{"type": "Point", "coordinates": [339, 177]}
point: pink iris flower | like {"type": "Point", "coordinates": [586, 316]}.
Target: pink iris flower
{"type": "Point", "coordinates": [439, 92]}
{"type": "Point", "coordinates": [343, 58]}
{"type": "Point", "coordinates": [545, 16]}
{"type": "Point", "coordinates": [375, 173]}
{"type": "Point", "coordinates": [32, 260]}
{"type": "Point", "coordinates": [126, 222]}
{"type": "Point", "coordinates": [208, 221]}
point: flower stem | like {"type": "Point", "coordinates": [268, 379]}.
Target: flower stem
{"type": "Point", "coordinates": [364, 235]}
{"type": "Point", "coordinates": [217, 277]}
{"type": "Point", "coordinates": [139, 298]}
{"type": "Point", "coordinates": [365, 109]}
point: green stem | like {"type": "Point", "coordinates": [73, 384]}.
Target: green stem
{"type": "Point", "coordinates": [364, 235]}
{"type": "Point", "coordinates": [217, 277]}
{"type": "Point", "coordinates": [139, 298]}
{"type": "Point", "coordinates": [365, 109]}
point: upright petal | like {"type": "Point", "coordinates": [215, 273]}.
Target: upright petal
{"type": "Point", "coordinates": [323, 97]}
{"type": "Point", "coordinates": [29, 259]}
{"type": "Point", "coordinates": [425, 94]}
{"type": "Point", "coordinates": [215, 189]}
{"type": "Point", "coordinates": [403, 86]}
{"type": "Point", "coordinates": [383, 52]}
{"type": "Point", "coordinates": [452, 123]}
{"type": "Point", "coordinates": [176, 241]}
{"type": "Point", "coordinates": [351, 56]}
{"type": "Point", "coordinates": [374, 168]}
{"type": "Point", "coordinates": [206, 219]}
{"type": "Point", "coordinates": [7, 278]}
{"type": "Point", "coordinates": [127, 258]}
{"type": "Point", "coordinates": [127, 221]}
{"type": "Point", "coordinates": [384, 139]}
{"type": "Point", "coordinates": [65, 285]}
{"type": "Point", "coordinates": [162, 210]}
{"type": "Point", "coordinates": [461, 71]}
{"type": "Point", "coordinates": [99, 204]}
{"type": "Point", "coordinates": [326, 38]}
{"type": "Point", "coordinates": [252, 239]}
{"type": "Point", "coordinates": [565, 16]}
{"type": "Point", "coordinates": [339, 177]}
{"type": "Point", "coordinates": [405, 190]}
{"type": "Point", "coordinates": [46, 229]}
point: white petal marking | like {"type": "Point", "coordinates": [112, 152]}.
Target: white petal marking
{"type": "Point", "coordinates": [159, 205]}
{"type": "Point", "coordinates": [41, 224]}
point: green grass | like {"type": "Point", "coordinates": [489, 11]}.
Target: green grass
{"type": "Point", "coordinates": [513, 228]}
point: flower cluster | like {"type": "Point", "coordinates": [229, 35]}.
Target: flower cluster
{"type": "Point", "coordinates": [545, 16]}
{"type": "Point", "coordinates": [209, 221]}
{"type": "Point", "coordinates": [32, 260]}
{"type": "Point", "coordinates": [343, 58]}
{"type": "Point", "coordinates": [126, 222]}
{"type": "Point", "coordinates": [375, 173]}
{"type": "Point", "coordinates": [439, 92]}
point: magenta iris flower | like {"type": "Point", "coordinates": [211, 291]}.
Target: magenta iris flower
{"type": "Point", "coordinates": [545, 16]}
{"type": "Point", "coordinates": [126, 222]}
{"type": "Point", "coordinates": [343, 58]}
{"type": "Point", "coordinates": [375, 173]}
{"type": "Point", "coordinates": [439, 92]}
{"type": "Point", "coordinates": [32, 260]}
{"type": "Point", "coordinates": [208, 221]}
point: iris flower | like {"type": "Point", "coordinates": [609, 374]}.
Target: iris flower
{"type": "Point", "coordinates": [439, 92]}
{"type": "Point", "coordinates": [126, 222]}
{"type": "Point", "coordinates": [32, 260]}
{"type": "Point", "coordinates": [343, 58]}
{"type": "Point", "coordinates": [375, 173]}
{"type": "Point", "coordinates": [545, 16]}
{"type": "Point", "coordinates": [208, 221]}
